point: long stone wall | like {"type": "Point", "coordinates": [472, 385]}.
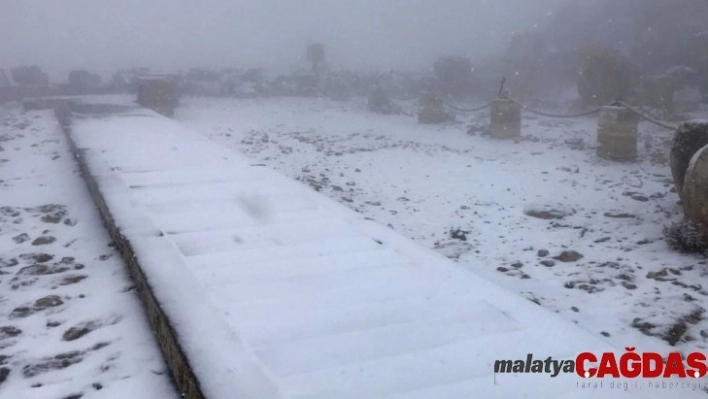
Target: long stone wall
{"type": "Point", "coordinates": [167, 338]}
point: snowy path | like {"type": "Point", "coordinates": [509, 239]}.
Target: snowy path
{"type": "Point", "coordinates": [70, 323]}
{"type": "Point", "coordinates": [277, 291]}
{"type": "Point", "coordinates": [465, 196]}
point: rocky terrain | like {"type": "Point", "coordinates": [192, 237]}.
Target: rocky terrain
{"type": "Point", "coordinates": [71, 325]}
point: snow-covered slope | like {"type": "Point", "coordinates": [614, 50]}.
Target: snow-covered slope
{"type": "Point", "coordinates": [71, 325]}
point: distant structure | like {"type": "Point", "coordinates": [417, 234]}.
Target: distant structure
{"type": "Point", "coordinates": [159, 93]}
{"type": "Point", "coordinates": [83, 82]}
{"type": "Point", "coordinates": [430, 109]}
{"type": "Point", "coordinates": [29, 76]}
{"type": "Point", "coordinates": [30, 82]}
{"type": "Point", "coordinates": [316, 56]}
{"type": "Point", "coordinates": [126, 81]}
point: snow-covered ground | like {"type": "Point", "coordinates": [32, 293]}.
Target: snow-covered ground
{"type": "Point", "coordinates": [276, 291]}
{"type": "Point", "coordinates": [71, 325]}
{"type": "Point", "coordinates": [596, 256]}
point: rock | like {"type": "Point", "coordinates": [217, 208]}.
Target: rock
{"type": "Point", "coordinates": [458, 234]}
{"type": "Point", "coordinates": [75, 333]}
{"type": "Point", "coordinates": [688, 139]}
{"type": "Point", "coordinates": [54, 219]}
{"type": "Point", "coordinates": [658, 275]}
{"type": "Point", "coordinates": [58, 362]}
{"type": "Point", "coordinates": [47, 302]}
{"type": "Point", "coordinates": [548, 211]}
{"type": "Point", "coordinates": [695, 192]}
{"type": "Point", "coordinates": [9, 332]}
{"type": "Point", "coordinates": [21, 311]}
{"type": "Point", "coordinates": [548, 263]}
{"type": "Point", "coordinates": [542, 253]}
{"type": "Point", "coordinates": [19, 239]}
{"type": "Point", "coordinates": [68, 280]}
{"type": "Point", "coordinates": [41, 270]}
{"type": "Point", "coordinates": [37, 257]}
{"type": "Point", "coordinates": [43, 240]}
{"type": "Point", "coordinates": [568, 256]}
{"type": "Point", "coordinates": [619, 215]}
{"type": "Point", "coordinates": [4, 372]}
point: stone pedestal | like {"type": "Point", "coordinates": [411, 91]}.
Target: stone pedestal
{"type": "Point", "coordinates": [430, 109]}
{"type": "Point", "coordinates": [617, 134]}
{"type": "Point", "coordinates": [505, 119]}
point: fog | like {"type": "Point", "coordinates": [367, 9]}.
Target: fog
{"type": "Point", "coordinates": [171, 35]}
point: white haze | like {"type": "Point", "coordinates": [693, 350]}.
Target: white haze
{"type": "Point", "coordinates": [172, 35]}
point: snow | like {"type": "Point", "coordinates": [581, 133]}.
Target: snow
{"type": "Point", "coordinates": [277, 291]}
{"type": "Point", "coordinates": [118, 356]}
{"type": "Point", "coordinates": [694, 159]}
{"type": "Point", "coordinates": [427, 181]}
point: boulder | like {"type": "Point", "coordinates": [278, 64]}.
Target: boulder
{"type": "Point", "coordinates": [695, 192]}
{"type": "Point", "coordinates": [688, 139]}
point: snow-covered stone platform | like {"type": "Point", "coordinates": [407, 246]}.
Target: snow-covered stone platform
{"type": "Point", "coordinates": [274, 291]}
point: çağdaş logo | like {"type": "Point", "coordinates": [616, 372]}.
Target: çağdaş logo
{"type": "Point", "coordinates": [630, 364]}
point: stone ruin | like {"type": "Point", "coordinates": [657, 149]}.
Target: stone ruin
{"type": "Point", "coordinates": [158, 93]}
{"type": "Point", "coordinates": [606, 75]}
{"type": "Point", "coordinates": [431, 110]}
{"type": "Point", "coordinates": [617, 134]}
{"type": "Point", "coordinates": [688, 139]}
{"type": "Point", "coordinates": [505, 119]}
{"type": "Point", "coordinates": [689, 167]}
{"type": "Point", "coordinates": [29, 76]}
{"type": "Point", "coordinates": [83, 82]}
{"type": "Point", "coordinates": [126, 81]}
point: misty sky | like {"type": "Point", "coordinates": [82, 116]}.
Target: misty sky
{"type": "Point", "coordinates": [172, 35]}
